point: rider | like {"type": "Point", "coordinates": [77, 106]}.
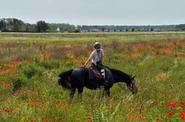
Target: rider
{"type": "Point", "coordinates": [96, 58]}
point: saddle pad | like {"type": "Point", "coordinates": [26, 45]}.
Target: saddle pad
{"type": "Point", "coordinates": [94, 74]}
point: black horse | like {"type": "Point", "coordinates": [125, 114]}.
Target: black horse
{"type": "Point", "coordinates": [77, 78]}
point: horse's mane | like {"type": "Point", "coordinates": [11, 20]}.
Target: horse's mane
{"type": "Point", "coordinates": [65, 74]}
{"type": "Point", "coordinates": [119, 72]}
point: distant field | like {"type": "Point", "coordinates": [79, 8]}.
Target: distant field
{"type": "Point", "coordinates": [74, 38]}
{"type": "Point", "coordinates": [31, 62]}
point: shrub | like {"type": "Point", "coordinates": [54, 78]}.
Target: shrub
{"type": "Point", "coordinates": [31, 70]}
{"type": "Point", "coordinates": [50, 64]}
{"type": "Point", "coordinates": [17, 83]}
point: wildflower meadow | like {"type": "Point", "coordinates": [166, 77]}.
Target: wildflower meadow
{"type": "Point", "coordinates": [30, 64]}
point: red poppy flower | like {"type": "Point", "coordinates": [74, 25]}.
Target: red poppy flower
{"type": "Point", "coordinates": [172, 105]}
{"type": "Point", "coordinates": [7, 110]}
{"type": "Point", "coordinates": [32, 120]}
{"type": "Point", "coordinates": [88, 119]}
{"type": "Point", "coordinates": [145, 120]}
{"type": "Point", "coordinates": [169, 113]}
{"type": "Point", "coordinates": [157, 118]}
{"type": "Point", "coordinates": [16, 61]}
{"type": "Point", "coordinates": [182, 115]}
{"type": "Point", "coordinates": [9, 64]}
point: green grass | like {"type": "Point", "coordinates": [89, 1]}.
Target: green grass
{"type": "Point", "coordinates": [30, 64]}
{"type": "Point", "coordinates": [79, 38]}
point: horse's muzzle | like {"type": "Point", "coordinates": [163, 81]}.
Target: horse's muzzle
{"type": "Point", "coordinates": [134, 89]}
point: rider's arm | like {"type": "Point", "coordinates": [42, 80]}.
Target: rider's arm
{"type": "Point", "coordinates": [90, 58]}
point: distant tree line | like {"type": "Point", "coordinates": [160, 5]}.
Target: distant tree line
{"type": "Point", "coordinates": [16, 25]}
{"type": "Point", "coordinates": [153, 28]}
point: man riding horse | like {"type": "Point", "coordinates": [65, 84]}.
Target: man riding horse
{"type": "Point", "coordinates": [96, 57]}
{"type": "Point", "coordinates": [95, 76]}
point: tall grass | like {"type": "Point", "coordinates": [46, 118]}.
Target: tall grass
{"type": "Point", "coordinates": [30, 93]}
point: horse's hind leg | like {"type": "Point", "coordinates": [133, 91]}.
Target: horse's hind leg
{"type": "Point", "coordinates": [73, 89]}
{"type": "Point", "coordinates": [80, 90]}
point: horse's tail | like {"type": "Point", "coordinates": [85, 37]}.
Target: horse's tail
{"type": "Point", "coordinates": [64, 79]}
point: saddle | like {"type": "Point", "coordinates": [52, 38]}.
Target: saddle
{"type": "Point", "coordinates": [94, 73]}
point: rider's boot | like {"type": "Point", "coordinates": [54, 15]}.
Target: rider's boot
{"type": "Point", "coordinates": [106, 82]}
{"type": "Point", "coordinates": [103, 73]}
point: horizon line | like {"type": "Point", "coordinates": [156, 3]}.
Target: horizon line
{"type": "Point", "coordinates": [49, 22]}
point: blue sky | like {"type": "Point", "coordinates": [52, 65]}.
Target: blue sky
{"type": "Point", "coordinates": [96, 12]}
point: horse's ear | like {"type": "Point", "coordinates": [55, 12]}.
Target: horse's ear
{"type": "Point", "coordinates": [133, 76]}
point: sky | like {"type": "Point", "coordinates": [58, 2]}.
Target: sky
{"type": "Point", "coordinates": [96, 12]}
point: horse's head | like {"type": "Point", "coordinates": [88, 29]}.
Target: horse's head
{"type": "Point", "coordinates": [132, 85]}
{"type": "Point", "coordinates": [119, 76]}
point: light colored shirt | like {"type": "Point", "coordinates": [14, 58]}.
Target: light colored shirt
{"type": "Point", "coordinates": [96, 56]}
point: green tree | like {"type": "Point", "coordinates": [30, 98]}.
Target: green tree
{"type": "Point", "coordinates": [181, 27]}
{"type": "Point", "coordinates": [30, 28]}
{"type": "Point", "coordinates": [42, 26]}
{"type": "Point", "coordinates": [2, 25]}
{"type": "Point", "coordinates": [17, 25]}
{"type": "Point", "coordinates": [12, 24]}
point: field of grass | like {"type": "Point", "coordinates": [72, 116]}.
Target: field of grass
{"type": "Point", "coordinates": [30, 64]}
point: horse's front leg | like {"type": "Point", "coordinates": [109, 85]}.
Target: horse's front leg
{"type": "Point", "coordinates": [80, 90]}
{"type": "Point", "coordinates": [107, 86]}
{"type": "Point", "coordinates": [106, 92]}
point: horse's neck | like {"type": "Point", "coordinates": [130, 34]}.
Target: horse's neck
{"type": "Point", "coordinates": [120, 76]}
{"type": "Point", "coordinates": [118, 79]}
